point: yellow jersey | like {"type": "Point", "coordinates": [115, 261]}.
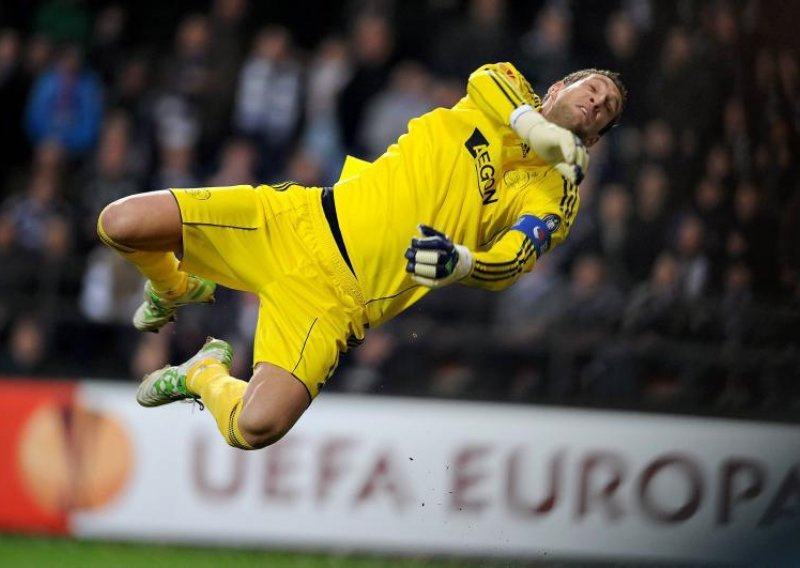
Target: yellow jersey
{"type": "Point", "coordinates": [463, 171]}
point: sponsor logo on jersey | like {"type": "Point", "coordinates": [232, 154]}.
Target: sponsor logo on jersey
{"type": "Point", "coordinates": [478, 147]}
{"type": "Point", "coordinates": [525, 149]}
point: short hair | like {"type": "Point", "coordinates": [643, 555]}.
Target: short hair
{"type": "Point", "coordinates": [576, 76]}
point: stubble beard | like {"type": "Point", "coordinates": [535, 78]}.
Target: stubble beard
{"type": "Point", "coordinates": [562, 115]}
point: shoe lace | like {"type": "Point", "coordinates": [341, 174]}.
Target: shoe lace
{"type": "Point", "coordinates": [190, 400]}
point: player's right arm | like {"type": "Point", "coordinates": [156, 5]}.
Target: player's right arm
{"type": "Point", "coordinates": [501, 92]}
{"type": "Point", "coordinates": [435, 261]}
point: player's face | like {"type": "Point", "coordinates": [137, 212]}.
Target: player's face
{"type": "Point", "coordinates": [584, 107]}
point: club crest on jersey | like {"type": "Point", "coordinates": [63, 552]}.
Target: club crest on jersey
{"type": "Point", "coordinates": [199, 193]}
{"type": "Point", "coordinates": [518, 179]}
{"type": "Point", "coordinates": [478, 147]}
{"type": "Point", "coordinates": [552, 222]}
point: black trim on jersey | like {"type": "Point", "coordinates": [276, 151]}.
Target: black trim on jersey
{"type": "Point", "coordinates": [497, 278]}
{"type": "Point", "coordinates": [502, 88]}
{"type": "Point", "coordinates": [520, 264]}
{"type": "Point", "coordinates": [220, 225]}
{"type": "Point", "coordinates": [284, 185]}
{"type": "Point", "coordinates": [568, 201]}
{"type": "Point", "coordinates": [308, 334]}
{"type": "Point", "coordinates": [232, 420]}
{"type": "Point", "coordinates": [329, 208]}
{"type": "Point", "coordinates": [392, 296]}
{"type": "Point", "coordinates": [523, 254]}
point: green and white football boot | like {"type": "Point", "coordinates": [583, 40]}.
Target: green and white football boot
{"type": "Point", "coordinates": [156, 311]}
{"type": "Point", "coordinates": [169, 384]}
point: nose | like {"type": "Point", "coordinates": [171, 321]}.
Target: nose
{"type": "Point", "coordinates": [597, 100]}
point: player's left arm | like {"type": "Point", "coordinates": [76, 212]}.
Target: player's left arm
{"type": "Point", "coordinates": [435, 261]}
{"type": "Point", "coordinates": [501, 92]}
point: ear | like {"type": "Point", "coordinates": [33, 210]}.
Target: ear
{"type": "Point", "coordinates": [555, 88]}
{"type": "Point", "coordinates": [552, 94]}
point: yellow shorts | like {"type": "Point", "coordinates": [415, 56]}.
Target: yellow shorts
{"type": "Point", "coordinates": [278, 245]}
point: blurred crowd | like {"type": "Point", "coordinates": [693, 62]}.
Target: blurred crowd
{"type": "Point", "coordinates": [678, 286]}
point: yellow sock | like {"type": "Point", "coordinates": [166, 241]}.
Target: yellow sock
{"type": "Point", "coordinates": [222, 395]}
{"type": "Point", "coordinates": [161, 268]}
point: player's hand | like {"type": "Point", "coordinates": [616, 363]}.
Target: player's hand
{"type": "Point", "coordinates": [434, 261]}
{"type": "Point", "coordinates": [554, 144]}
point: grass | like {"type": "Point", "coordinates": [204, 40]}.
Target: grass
{"type": "Point", "coordinates": [34, 552]}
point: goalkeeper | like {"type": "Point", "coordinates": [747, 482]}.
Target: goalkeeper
{"type": "Point", "coordinates": [490, 184]}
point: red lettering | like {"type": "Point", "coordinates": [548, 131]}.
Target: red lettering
{"type": "Point", "coordinates": [515, 481]}
{"type": "Point", "coordinates": [604, 495]}
{"type": "Point", "coordinates": [730, 472]}
{"type": "Point", "coordinates": [464, 479]}
{"type": "Point", "coordinates": [786, 503]}
{"type": "Point", "coordinates": [279, 468]}
{"type": "Point", "coordinates": [383, 477]}
{"type": "Point", "coordinates": [200, 472]}
{"type": "Point", "coordinates": [693, 477]}
{"type": "Point", "coordinates": [330, 466]}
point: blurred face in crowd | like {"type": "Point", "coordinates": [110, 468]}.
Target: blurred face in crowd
{"type": "Point", "coordinates": [70, 60]}
{"type": "Point", "coordinates": [273, 43]}
{"type": "Point", "coordinates": [690, 236]}
{"type": "Point", "coordinates": [9, 48]}
{"type": "Point", "coordinates": [194, 36]}
{"type": "Point", "coordinates": [585, 107]}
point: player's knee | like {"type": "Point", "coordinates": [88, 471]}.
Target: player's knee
{"type": "Point", "coordinates": [114, 224]}
{"type": "Point", "coordinates": [261, 429]}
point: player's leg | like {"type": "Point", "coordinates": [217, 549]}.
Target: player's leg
{"type": "Point", "coordinates": [143, 222]}
{"type": "Point", "coordinates": [146, 230]}
{"type": "Point", "coordinates": [249, 415]}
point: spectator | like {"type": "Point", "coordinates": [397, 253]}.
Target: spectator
{"type": "Point", "coordinates": [329, 72]}
{"type": "Point", "coordinates": [611, 235]}
{"type": "Point", "coordinates": [25, 354]}
{"type": "Point", "coordinates": [467, 42]}
{"type": "Point", "coordinates": [66, 104]}
{"type": "Point", "coordinates": [15, 284]}
{"type": "Point", "coordinates": [13, 93]}
{"type": "Point", "coordinates": [269, 100]}
{"type": "Point", "coordinates": [712, 206]}
{"type": "Point", "coordinates": [228, 31]}
{"type": "Point", "coordinates": [372, 46]}
{"type": "Point", "coordinates": [591, 308]}
{"type": "Point", "coordinates": [694, 266]}
{"type": "Point", "coordinates": [31, 213]}
{"type": "Point", "coordinates": [651, 221]}
{"type": "Point", "coordinates": [749, 243]}
{"type": "Point", "coordinates": [387, 115]}
{"type": "Point", "coordinates": [238, 164]}
{"type": "Point", "coordinates": [654, 318]}
{"type": "Point", "coordinates": [790, 248]}
{"type": "Point", "coordinates": [111, 176]}
{"type": "Point", "coordinates": [628, 53]}
{"type": "Point", "coordinates": [546, 50]}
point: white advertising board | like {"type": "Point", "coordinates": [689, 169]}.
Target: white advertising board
{"type": "Point", "coordinates": [407, 475]}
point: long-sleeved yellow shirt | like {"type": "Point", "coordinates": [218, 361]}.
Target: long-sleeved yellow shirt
{"type": "Point", "coordinates": [465, 172]}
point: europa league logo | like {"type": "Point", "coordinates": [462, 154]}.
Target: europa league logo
{"type": "Point", "coordinates": [71, 458]}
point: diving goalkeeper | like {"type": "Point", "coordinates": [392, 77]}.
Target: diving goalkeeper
{"type": "Point", "coordinates": [487, 187]}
